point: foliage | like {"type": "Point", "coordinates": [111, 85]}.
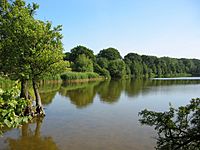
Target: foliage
{"type": "Point", "coordinates": [117, 68]}
{"type": "Point", "coordinates": [178, 129]}
{"type": "Point", "coordinates": [101, 71]}
{"type": "Point", "coordinates": [109, 54]}
{"type": "Point", "coordinates": [152, 66]}
{"type": "Point", "coordinates": [83, 64]}
{"type": "Point", "coordinates": [30, 49]}
{"type": "Point", "coordinates": [102, 62]}
{"type": "Point", "coordinates": [79, 75]}
{"type": "Point", "coordinates": [79, 50]}
{"type": "Point", "coordinates": [137, 66]}
{"type": "Point", "coordinates": [12, 108]}
{"type": "Point", "coordinates": [4, 80]}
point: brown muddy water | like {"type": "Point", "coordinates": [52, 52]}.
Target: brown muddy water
{"type": "Point", "coordinates": [100, 115]}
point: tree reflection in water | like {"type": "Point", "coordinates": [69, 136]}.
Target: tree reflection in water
{"type": "Point", "coordinates": [80, 94]}
{"type": "Point", "coordinates": [32, 139]}
{"type": "Point", "coordinates": [109, 91]}
{"type": "Point", "coordinates": [48, 91]}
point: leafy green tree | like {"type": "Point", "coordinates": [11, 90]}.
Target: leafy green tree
{"type": "Point", "coordinates": [178, 129]}
{"type": "Point", "coordinates": [109, 54]}
{"type": "Point", "coordinates": [117, 68]}
{"type": "Point", "coordinates": [67, 56]}
{"type": "Point", "coordinates": [83, 64]}
{"type": "Point", "coordinates": [79, 50]}
{"type": "Point", "coordinates": [102, 62]}
{"type": "Point", "coordinates": [30, 48]}
{"type": "Point", "coordinates": [134, 61]}
{"type": "Point", "coordinates": [101, 71]}
{"type": "Point", "coordinates": [128, 71]}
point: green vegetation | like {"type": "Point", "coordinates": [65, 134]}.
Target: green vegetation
{"type": "Point", "coordinates": [30, 49]}
{"type": "Point", "coordinates": [152, 66]}
{"type": "Point", "coordinates": [6, 83]}
{"type": "Point", "coordinates": [109, 63]}
{"type": "Point", "coordinates": [178, 129]}
{"type": "Point", "coordinates": [109, 54]}
{"type": "Point", "coordinates": [13, 110]}
{"type": "Point", "coordinates": [79, 75]}
{"type": "Point", "coordinates": [117, 68]}
{"type": "Point", "coordinates": [83, 64]}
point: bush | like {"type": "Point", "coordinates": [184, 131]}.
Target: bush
{"type": "Point", "coordinates": [12, 108]}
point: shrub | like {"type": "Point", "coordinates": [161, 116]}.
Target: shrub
{"type": "Point", "coordinates": [12, 108]}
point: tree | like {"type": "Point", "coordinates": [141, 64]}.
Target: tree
{"type": "Point", "coordinates": [30, 49]}
{"type": "Point", "coordinates": [76, 51]}
{"type": "Point", "coordinates": [178, 129]}
{"type": "Point", "coordinates": [134, 62]}
{"type": "Point", "coordinates": [109, 54]}
{"type": "Point", "coordinates": [101, 71]}
{"type": "Point", "coordinates": [102, 62]}
{"type": "Point", "coordinates": [117, 68]}
{"type": "Point", "coordinates": [83, 64]}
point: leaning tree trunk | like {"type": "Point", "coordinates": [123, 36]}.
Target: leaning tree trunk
{"type": "Point", "coordinates": [39, 107]}
{"type": "Point", "coordinates": [24, 89]}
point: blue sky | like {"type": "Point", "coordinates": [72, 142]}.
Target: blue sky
{"type": "Point", "coordinates": [151, 27]}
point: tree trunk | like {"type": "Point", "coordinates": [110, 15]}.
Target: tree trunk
{"type": "Point", "coordinates": [24, 89]}
{"type": "Point", "coordinates": [39, 108]}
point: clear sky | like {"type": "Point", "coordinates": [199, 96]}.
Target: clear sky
{"type": "Point", "coordinates": [151, 27]}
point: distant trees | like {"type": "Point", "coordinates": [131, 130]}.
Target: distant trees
{"type": "Point", "coordinates": [134, 62]}
{"type": "Point", "coordinates": [152, 66]}
{"type": "Point", "coordinates": [108, 62]}
{"type": "Point", "coordinates": [117, 68]}
{"type": "Point", "coordinates": [78, 50]}
{"type": "Point", "coordinates": [83, 64]}
{"type": "Point", "coordinates": [109, 54]}
{"type": "Point", "coordinates": [111, 61]}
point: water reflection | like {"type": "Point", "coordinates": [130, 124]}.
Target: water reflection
{"type": "Point", "coordinates": [110, 123]}
{"type": "Point", "coordinates": [31, 139]}
{"type": "Point", "coordinates": [109, 91]}
{"type": "Point", "coordinates": [81, 94]}
{"type": "Point", "coordinates": [48, 91]}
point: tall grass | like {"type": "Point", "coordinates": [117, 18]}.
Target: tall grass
{"type": "Point", "coordinates": [6, 83]}
{"type": "Point", "coordinates": [79, 75]}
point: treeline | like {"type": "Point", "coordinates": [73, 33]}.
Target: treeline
{"type": "Point", "coordinates": [109, 63]}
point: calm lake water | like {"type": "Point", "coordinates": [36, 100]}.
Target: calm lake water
{"type": "Point", "coordinates": [99, 115]}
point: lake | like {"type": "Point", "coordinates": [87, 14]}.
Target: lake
{"type": "Point", "coordinates": [99, 115]}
